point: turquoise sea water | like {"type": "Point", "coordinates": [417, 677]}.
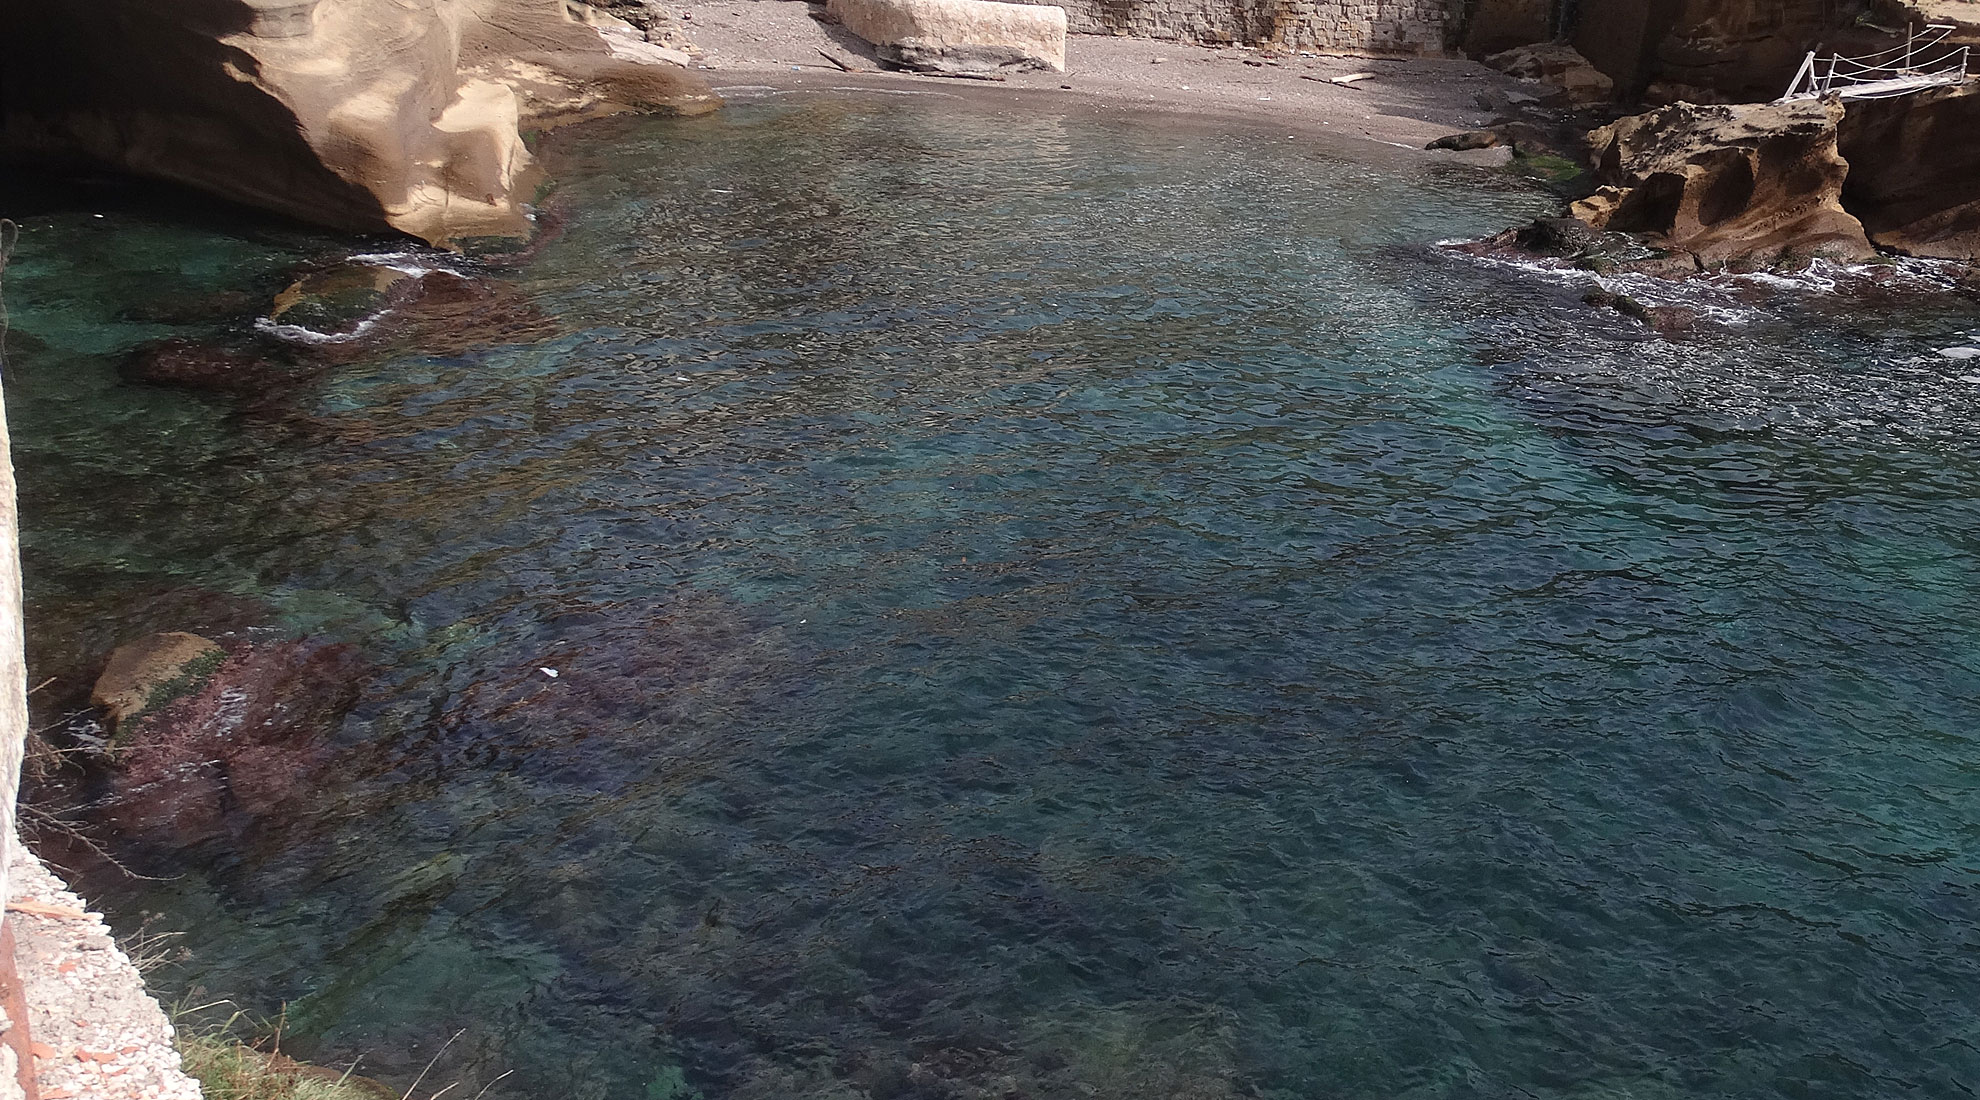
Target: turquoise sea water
{"type": "Point", "coordinates": [1049, 607]}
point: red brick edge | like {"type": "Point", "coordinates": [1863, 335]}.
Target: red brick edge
{"type": "Point", "coordinates": [12, 999]}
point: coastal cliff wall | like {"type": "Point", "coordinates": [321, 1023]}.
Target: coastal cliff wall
{"type": "Point", "coordinates": [1700, 51]}
{"type": "Point", "coordinates": [1738, 48]}
{"type": "Point", "coordinates": [364, 115]}
{"type": "Point", "coordinates": [1400, 27]}
{"type": "Point", "coordinates": [1741, 49]}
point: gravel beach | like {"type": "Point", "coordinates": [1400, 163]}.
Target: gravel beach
{"type": "Point", "coordinates": [777, 46]}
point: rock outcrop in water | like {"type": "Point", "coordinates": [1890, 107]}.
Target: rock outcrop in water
{"type": "Point", "coordinates": [152, 671]}
{"type": "Point", "coordinates": [364, 115]}
{"type": "Point", "coordinates": [1754, 183]}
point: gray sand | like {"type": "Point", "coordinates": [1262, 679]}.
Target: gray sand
{"type": "Point", "coordinates": [775, 44]}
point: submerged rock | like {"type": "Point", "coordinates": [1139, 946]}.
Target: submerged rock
{"type": "Point", "coordinates": [238, 741]}
{"type": "Point", "coordinates": [341, 1083]}
{"type": "Point", "coordinates": [190, 364]}
{"type": "Point", "coordinates": [1752, 185]}
{"type": "Point", "coordinates": [338, 300]}
{"type": "Point", "coordinates": [347, 311]}
{"type": "Point", "coordinates": [1584, 246]}
{"type": "Point", "coordinates": [1665, 319]}
{"type": "Point", "coordinates": [963, 37]}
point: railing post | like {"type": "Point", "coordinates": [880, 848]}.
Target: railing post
{"type": "Point", "coordinates": [1806, 72]}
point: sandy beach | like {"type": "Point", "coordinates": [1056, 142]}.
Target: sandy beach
{"type": "Point", "coordinates": [753, 46]}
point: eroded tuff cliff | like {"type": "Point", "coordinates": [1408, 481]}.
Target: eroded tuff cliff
{"type": "Point", "coordinates": [1697, 50]}
{"type": "Point", "coordinates": [357, 114]}
{"type": "Point", "coordinates": [1914, 171]}
{"type": "Point", "coordinates": [1728, 183]}
{"type": "Point", "coordinates": [1761, 184]}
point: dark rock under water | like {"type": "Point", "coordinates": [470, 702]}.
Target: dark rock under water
{"type": "Point", "coordinates": [1053, 606]}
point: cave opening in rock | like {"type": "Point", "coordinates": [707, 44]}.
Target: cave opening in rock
{"type": "Point", "coordinates": [1728, 192]}
{"type": "Point", "coordinates": [1650, 207]}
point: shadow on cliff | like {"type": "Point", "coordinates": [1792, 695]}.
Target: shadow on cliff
{"type": "Point", "coordinates": [156, 90]}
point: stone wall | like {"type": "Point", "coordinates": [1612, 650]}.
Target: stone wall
{"type": "Point", "coordinates": [1405, 27]}
{"type": "Point", "coordinates": [13, 654]}
{"type": "Point", "coordinates": [1410, 27]}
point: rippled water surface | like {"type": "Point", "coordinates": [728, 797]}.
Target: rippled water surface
{"type": "Point", "coordinates": [1052, 607]}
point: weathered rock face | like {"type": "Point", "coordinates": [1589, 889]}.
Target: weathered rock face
{"type": "Point", "coordinates": [1914, 175]}
{"type": "Point", "coordinates": [1557, 64]}
{"type": "Point", "coordinates": [959, 36]}
{"type": "Point", "coordinates": [1664, 51]}
{"type": "Point", "coordinates": [1753, 183]}
{"type": "Point", "coordinates": [1962, 15]}
{"type": "Point", "coordinates": [1495, 26]}
{"type": "Point", "coordinates": [359, 114]}
{"type": "Point", "coordinates": [1745, 49]}
{"type": "Point", "coordinates": [1621, 37]}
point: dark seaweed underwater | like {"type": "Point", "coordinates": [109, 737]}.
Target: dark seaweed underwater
{"type": "Point", "coordinates": [1053, 607]}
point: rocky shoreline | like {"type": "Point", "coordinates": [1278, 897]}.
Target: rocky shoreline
{"type": "Point", "coordinates": [95, 1032]}
{"type": "Point", "coordinates": [212, 735]}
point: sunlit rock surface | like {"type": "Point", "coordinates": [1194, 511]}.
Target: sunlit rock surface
{"type": "Point", "coordinates": [1751, 183]}
{"type": "Point", "coordinates": [358, 114]}
{"type": "Point", "coordinates": [959, 36]}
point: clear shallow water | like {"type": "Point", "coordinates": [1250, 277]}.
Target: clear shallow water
{"type": "Point", "coordinates": [1057, 608]}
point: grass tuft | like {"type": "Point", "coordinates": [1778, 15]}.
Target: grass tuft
{"type": "Point", "coordinates": [228, 1068]}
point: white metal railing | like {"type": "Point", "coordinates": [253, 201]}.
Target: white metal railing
{"type": "Point", "coordinates": [1924, 61]}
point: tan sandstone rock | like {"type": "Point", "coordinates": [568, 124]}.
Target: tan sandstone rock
{"type": "Point", "coordinates": [1559, 64]}
{"type": "Point", "coordinates": [358, 114]}
{"type": "Point", "coordinates": [1914, 171]}
{"type": "Point", "coordinates": [150, 672]}
{"type": "Point", "coordinates": [1752, 183]}
{"type": "Point", "coordinates": [959, 36]}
